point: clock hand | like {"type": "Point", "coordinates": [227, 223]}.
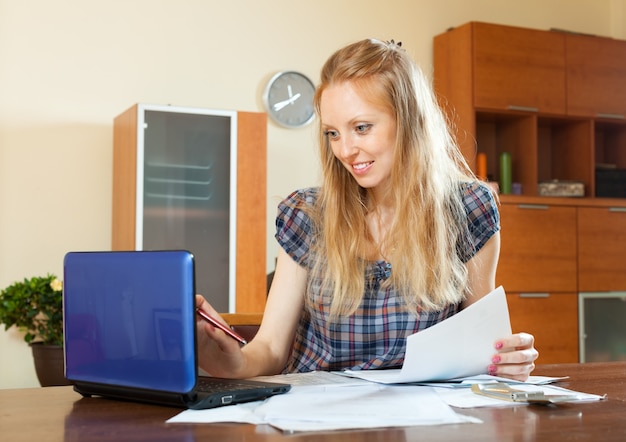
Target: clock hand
{"type": "Point", "coordinates": [289, 91]}
{"type": "Point", "coordinates": [281, 104]}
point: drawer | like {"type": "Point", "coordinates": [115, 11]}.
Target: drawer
{"type": "Point", "coordinates": [552, 319]}
{"type": "Point", "coordinates": [538, 248]}
{"type": "Point", "coordinates": [602, 249]}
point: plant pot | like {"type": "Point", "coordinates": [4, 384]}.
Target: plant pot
{"type": "Point", "coordinates": [49, 364]}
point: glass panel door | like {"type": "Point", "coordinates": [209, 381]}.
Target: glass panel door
{"type": "Point", "coordinates": [189, 186]}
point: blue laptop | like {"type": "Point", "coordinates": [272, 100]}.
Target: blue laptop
{"type": "Point", "coordinates": [130, 331]}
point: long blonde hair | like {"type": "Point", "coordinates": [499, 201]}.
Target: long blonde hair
{"type": "Point", "coordinates": [429, 218]}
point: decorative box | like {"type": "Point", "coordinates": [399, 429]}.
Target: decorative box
{"type": "Point", "coordinates": [562, 188]}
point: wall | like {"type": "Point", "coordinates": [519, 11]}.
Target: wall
{"type": "Point", "coordinates": [67, 67]}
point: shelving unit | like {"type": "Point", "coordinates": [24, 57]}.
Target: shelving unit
{"type": "Point", "coordinates": [556, 101]}
{"type": "Point", "coordinates": [534, 94]}
{"type": "Point", "coordinates": [195, 179]}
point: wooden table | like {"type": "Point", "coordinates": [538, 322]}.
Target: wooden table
{"type": "Point", "coordinates": [58, 413]}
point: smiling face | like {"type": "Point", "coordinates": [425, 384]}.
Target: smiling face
{"type": "Point", "coordinates": [361, 133]}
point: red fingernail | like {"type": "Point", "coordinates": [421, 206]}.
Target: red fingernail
{"type": "Point", "coordinates": [493, 369]}
{"type": "Point", "coordinates": [496, 359]}
{"type": "Point", "coordinates": [499, 345]}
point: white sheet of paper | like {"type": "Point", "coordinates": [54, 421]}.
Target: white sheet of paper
{"type": "Point", "coordinates": [336, 407]}
{"type": "Point", "coordinates": [362, 406]}
{"type": "Point", "coordinates": [460, 346]}
{"type": "Point", "coordinates": [466, 382]}
{"type": "Point", "coordinates": [465, 398]}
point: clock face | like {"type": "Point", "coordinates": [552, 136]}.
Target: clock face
{"type": "Point", "coordinates": [289, 99]}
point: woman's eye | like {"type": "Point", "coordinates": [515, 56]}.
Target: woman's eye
{"type": "Point", "coordinates": [362, 128]}
{"type": "Point", "coordinates": [332, 134]}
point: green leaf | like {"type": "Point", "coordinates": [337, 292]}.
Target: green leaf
{"type": "Point", "coordinates": [33, 305]}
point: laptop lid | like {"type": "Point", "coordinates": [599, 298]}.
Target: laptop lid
{"type": "Point", "coordinates": [130, 331]}
{"type": "Point", "coordinates": [129, 319]}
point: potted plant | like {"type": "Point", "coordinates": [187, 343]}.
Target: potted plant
{"type": "Point", "coordinates": [35, 307]}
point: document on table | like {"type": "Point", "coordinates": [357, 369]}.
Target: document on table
{"type": "Point", "coordinates": [465, 398]}
{"type": "Point", "coordinates": [363, 406]}
{"type": "Point", "coordinates": [457, 347]}
{"type": "Point", "coordinates": [322, 401]}
{"type": "Point", "coordinates": [336, 407]}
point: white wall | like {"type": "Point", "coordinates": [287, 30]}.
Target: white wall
{"type": "Point", "coordinates": [67, 67]}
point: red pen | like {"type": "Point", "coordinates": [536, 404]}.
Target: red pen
{"type": "Point", "coordinates": [211, 320]}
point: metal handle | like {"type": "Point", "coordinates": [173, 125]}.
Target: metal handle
{"type": "Point", "coordinates": [617, 209]}
{"type": "Point", "coordinates": [534, 295]}
{"type": "Point", "coordinates": [533, 206]}
{"type": "Point", "coordinates": [523, 108]}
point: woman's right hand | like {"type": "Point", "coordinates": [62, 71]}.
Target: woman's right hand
{"type": "Point", "coordinates": [268, 353]}
{"type": "Point", "coordinates": [218, 354]}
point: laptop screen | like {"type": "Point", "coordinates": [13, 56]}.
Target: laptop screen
{"type": "Point", "coordinates": [129, 319]}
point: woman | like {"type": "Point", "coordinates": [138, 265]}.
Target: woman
{"type": "Point", "coordinates": [399, 236]}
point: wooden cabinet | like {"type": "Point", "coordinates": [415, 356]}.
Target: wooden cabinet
{"type": "Point", "coordinates": [602, 249]}
{"type": "Point", "coordinates": [517, 68]}
{"type": "Point", "coordinates": [552, 318]}
{"type": "Point", "coordinates": [555, 101]}
{"type": "Point", "coordinates": [195, 179]}
{"type": "Point", "coordinates": [537, 268]}
{"type": "Point", "coordinates": [553, 251]}
{"type": "Point", "coordinates": [538, 248]}
{"type": "Point", "coordinates": [596, 69]}
{"type": "Point", "coordinates": [487, 75]}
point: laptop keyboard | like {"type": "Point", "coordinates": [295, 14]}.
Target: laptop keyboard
{"type": "Point", "coordinates": [216, 385]}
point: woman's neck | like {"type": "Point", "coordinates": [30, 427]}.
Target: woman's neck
{"type": "Point", "coordinates": [379, 221]}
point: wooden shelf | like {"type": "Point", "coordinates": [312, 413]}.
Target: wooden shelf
{"type": "Point", "coordinates": [556, 103]}
{"type": "Point", "coordinates": [530, 93]}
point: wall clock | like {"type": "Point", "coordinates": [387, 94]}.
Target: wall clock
{"type": "Point", "coordinates": [288, 99]}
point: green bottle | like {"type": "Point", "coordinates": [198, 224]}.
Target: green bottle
{"type": "Point", "coordinates": [505, 173]}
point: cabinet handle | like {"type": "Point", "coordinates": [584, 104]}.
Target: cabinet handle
{"type": "Point", "coordinates": [617, 209]}
{"type": "Point", "coordinates": [533, 206]}
{"type": "Point", "coordinates": [534, 295]}
{"type": "Point", "coordinates": [611, 116]}
{"type": "Point", "coordinates": [523, 108]}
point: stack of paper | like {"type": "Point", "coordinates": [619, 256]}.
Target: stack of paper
{"type": "Point", "coordinates": [459, 347]}
{"type": "Point", "coordinates": [334, 408]}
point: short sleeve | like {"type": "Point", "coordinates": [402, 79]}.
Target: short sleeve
{"type": "Point", "coordinates": [294, 228]}
{"type": "Point", "coordinates": [483, 218]}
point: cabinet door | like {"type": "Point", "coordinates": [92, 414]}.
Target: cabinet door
{"type": "Point", "coordinates": [538, 248]}
{"type": "Point", "coordinates": [516, 68]}
{"type": "Point", "coordinates": [602, 326]}
{"type": "Point", "coordinates": [602, 249]}
{"type": "Point", "coordinates": [596, 68]}
{"type": "Point", "coordinates": [186, 186]}
{"type": "Point", "coordinates": [175, 173]}
{"type": "Point", "coordinates": [552, 319]}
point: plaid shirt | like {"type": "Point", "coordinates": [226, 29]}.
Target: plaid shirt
{"type": "Point", "coordinates": [375, 335]}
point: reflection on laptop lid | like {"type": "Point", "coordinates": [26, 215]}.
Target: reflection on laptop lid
{"type": "Point", "coordinates": [130, 331]}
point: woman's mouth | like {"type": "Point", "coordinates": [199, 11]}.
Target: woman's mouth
{"type": "Point", "coordinates": [361, 168]}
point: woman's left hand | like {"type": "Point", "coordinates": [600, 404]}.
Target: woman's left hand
{"type": "Point", "coordinates": [515, 357]}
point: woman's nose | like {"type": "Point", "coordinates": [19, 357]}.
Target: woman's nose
{"type": "Point", "coordinates": [348, 147]}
